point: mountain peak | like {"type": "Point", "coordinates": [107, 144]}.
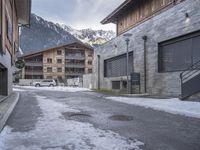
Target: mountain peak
{"type": "Point", "coordinates": [44, 34]}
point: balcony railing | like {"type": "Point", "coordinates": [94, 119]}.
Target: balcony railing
{"type": "Point", "coordinates": [74, 73]}
{"type": "Point", "coordinates": [77, 57]}
{"type": "Point", "coordinates": [75, 65]}
{"type": "Point", "coordinates": [34, 63]}
{"type": "Point", "coordinates": [34, 72]}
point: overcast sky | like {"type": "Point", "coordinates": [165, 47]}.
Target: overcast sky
{"type": "Point", "coordinates": [79, 14]}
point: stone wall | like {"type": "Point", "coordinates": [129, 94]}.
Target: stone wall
{"type": "Point", "coordinates": [88, 81]}
{"type": "Point", "coordinates": [167, 25]}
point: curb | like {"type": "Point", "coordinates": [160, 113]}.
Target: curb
{"type": "Point", "coordinates": [9, 110]}
{"type": "Point", "coordinates": [3, 99]}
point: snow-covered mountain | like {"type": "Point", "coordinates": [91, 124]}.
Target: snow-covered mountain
{"type": "Point", "coordinates": [44, 34]}
{"type": "Point", "coordinates": [92, 37]}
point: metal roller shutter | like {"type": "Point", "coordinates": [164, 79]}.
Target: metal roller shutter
{"type": "Point", "coordinates": [116, 66]}
{"type": "Point", "coordinates": [180, 53]}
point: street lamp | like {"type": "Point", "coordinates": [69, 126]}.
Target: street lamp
{"type": "Point", "coordinates": [127, 39]}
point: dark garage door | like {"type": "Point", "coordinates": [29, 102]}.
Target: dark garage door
{"type": "Point", "coordinates": [116, 66]}
{"type": "Point", "coordinates": [180, 53]}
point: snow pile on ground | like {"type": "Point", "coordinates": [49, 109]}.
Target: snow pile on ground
{"type": "Point", "coordinates": [53, 131]}
{"type": "Point", "coordinates": [56, 88]}
{"type": "Point", "coordinates": [174, 106]}
{"type": "Point", "coordinates": [18, 90]}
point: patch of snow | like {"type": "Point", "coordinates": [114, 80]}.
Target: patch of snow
{"type": "Point", "coordinates": [52, 131]}
{"type": "Point", "coordinates": [18, 90]}
{"type": "Point", "coordinates": [37, 18]}
{"type": "Point", "coordinates": [56, 88]}
{"type": "Point", "coordinates": [174, 106]}
{"type": "Point", "coordinates": [21, 51]}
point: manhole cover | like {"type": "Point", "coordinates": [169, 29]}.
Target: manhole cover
{"type": "Point", "coordinates": [77, 116]}
{"type": "Point", "coordinates": [61, 97]}
{"type": "Point", "coordinates": [121, 118]}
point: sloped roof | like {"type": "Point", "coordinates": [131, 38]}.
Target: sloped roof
{"type": "Point", "coordinates": [60, 46]}
{"type": "Point", "coordinates": [112, 18]}
{"type": "Point", "coordinates": [23, 11]}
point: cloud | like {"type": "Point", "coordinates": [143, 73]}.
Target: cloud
{"type": "Point", "coordinates": [76, 13]}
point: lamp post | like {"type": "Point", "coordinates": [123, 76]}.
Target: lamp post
{"type": "Point", "coordinates": [127, 40]}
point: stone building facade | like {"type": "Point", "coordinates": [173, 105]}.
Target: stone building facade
{"type": "Point", "coordinates": [13, 13]}
{"type": "Point", "coordinates": [172, 22]}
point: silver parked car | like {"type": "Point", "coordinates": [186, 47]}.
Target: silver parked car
{"type": "Point", "coordinates": [46, 82]}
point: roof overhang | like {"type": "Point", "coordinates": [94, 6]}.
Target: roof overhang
{"type": "Point", "coordinates": [112, 18]}
{"type": "Point", "coordinates": [23, 11]}
{"type": "Point", "coordinates": [56, 47]}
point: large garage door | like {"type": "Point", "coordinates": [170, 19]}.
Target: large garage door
{"type": "Point", "coordinates": [116, 66]}
{"type": "Point", "coordinates": [180, 53]}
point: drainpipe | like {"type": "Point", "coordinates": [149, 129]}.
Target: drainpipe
{"type": "Point", "coordinates": [98, 56]}
{"type": "Point", "coordinates": [145, 63]}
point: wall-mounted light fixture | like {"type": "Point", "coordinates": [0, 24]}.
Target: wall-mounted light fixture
{"type": "Point", "coordinates": [187, 16]}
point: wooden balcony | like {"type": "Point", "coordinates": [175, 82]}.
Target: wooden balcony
{"type": "Point", "coordinates": [74, 73]}
{"type": "Point", "coordinates": [34, 64]}
{"type": "Point", "coordinates": [75, 65]}
{"type": "Point", "coordinates": [34, 72]}
{"type": "Point", "coordinates": [75, 57]}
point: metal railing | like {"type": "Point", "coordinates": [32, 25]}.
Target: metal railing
{"type": "Point", "coordinates": [73, 65]}
{"type": "Point", "coordinates": [191, 72]}
{"type": "Point", "coordinates": [34, 63]}
{"type": "Point", "coordinates": [190, 79]}
{"type": "Point", "coordinates": [35, 72]}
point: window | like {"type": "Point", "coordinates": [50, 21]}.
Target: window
{"type": "Point", "coordinates": [49, 60]}
{"type": "Point", "coordinates": [49, 77]}
{"type": "Point", "coordinates": [89, 62]}
{"type": "Point", "coordinates": [59, 61]}
{"type": "Point", "coordinates": [49, 69]}
{"type": "Point", "coordinates": [60, 77]}
{"type": "Point", "coordinates": [90, 54]}
{"type": "Point", "coordinates": [116, 85]}
{"type": "Point", "coordinates": [59, 52]}
{"type": "Point", "coordinates": [89, 70]}
{"type": "Point", "coordinates": [59, 69]}
{"type": "Point", "coordinates": [9, 30]}
{"type": "Point", "coordinates": [180, 53]}
{"type": "Point", "coordinates": [116, 66]}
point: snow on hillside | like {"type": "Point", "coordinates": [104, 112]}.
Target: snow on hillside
{"type": "Point", "coordinates": [92, 37]}
{"type": "Point", "coordinates": [44, 34]}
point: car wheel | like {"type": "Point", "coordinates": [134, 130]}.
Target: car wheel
{"type": "Point", "coordinates": [51, 85]}
{"type": "Point", "coordinates": [37, 85]}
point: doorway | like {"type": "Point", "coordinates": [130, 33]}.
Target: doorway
{"type": "Point", "coordinates": [3, 81]}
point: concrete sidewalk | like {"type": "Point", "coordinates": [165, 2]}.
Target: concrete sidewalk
{"type": "Point", "coordinates": [6, 108]}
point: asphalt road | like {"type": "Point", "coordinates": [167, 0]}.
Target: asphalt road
{"type": "Point", "coordinates": [158, 130]}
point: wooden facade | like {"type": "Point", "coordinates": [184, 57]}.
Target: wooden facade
{"type": "Point", "coordinates": [134, 12]}
{"type": "Point", "coordinates": [9, 28]}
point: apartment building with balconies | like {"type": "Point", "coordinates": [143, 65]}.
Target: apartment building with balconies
{"type": "Point", "coordinates": [63, 62]}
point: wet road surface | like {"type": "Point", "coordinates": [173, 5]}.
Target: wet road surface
{"type": "Point", "coordinates": [157, 130]}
